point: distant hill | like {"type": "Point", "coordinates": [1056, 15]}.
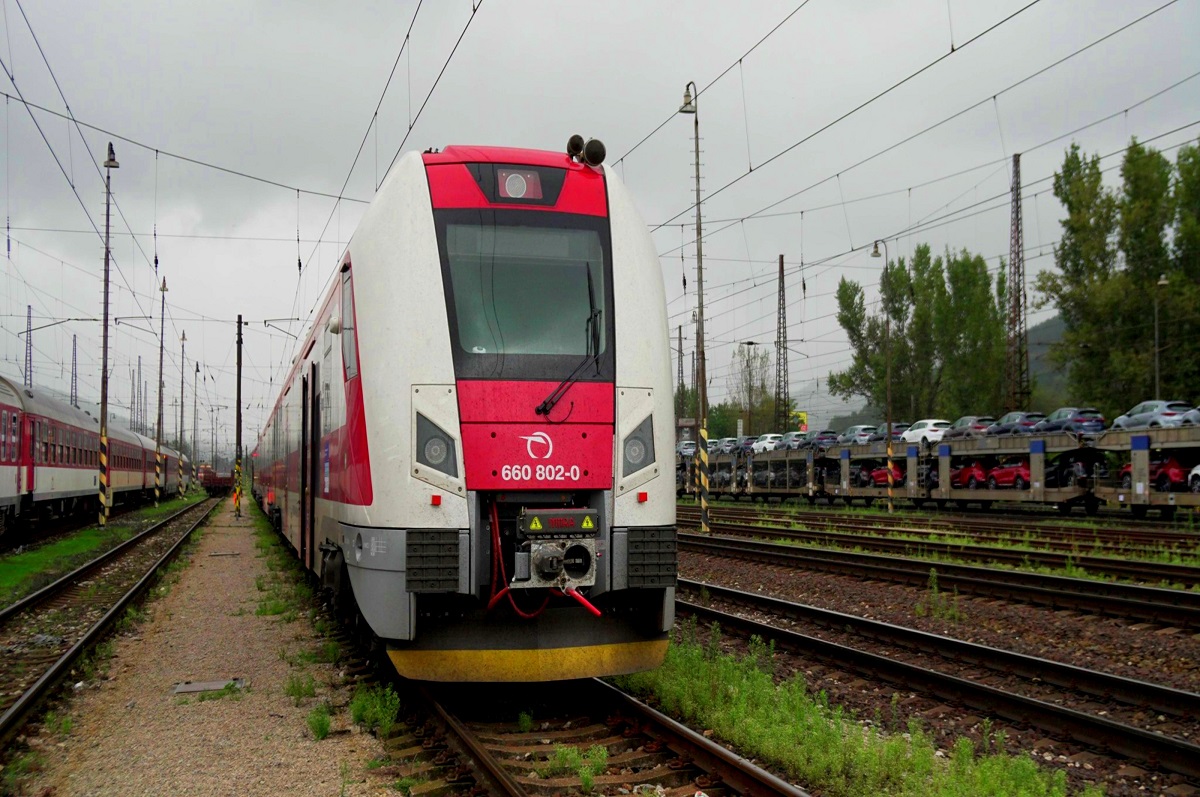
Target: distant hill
{"type": "Point", "coordinates": [1050, 382]}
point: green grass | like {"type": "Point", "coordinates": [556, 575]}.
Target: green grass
{"type": "Point", "coordinates": [822, 746]}
{"type": "Point", "coordinates": [298, 688]}
{"type": "Point", "coordinates": [376, 708]}
{"type": "Point", "coordinates": [29, 571]}
{"type": "Point", "coordinates": [318, 722]}
{"type": "Point", "coordinates": [230, 690]}
{"type": "Point", "coordinates": [567, 760]}
{"type": "Point", "coordinates": [525, 722]}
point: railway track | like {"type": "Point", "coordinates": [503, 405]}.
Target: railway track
{"type": "Point", "coordinates": [471, 739]}
{"type": "Point", "coordinates": [1167, 606]}
{"type": "Point", "coordinates": [1131, 569]}
{"type": "Point", "coordinates": [1035, 692]}
{"type": "Point", "coordinates": [43, 635]}
{"type": "Point", "coordinates": [474, 733]}
{"type": "Point", "coordinates": [1125, 539]}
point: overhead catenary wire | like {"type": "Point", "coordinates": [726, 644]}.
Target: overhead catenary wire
{"type": "Point", "coordinates": [859, 107]}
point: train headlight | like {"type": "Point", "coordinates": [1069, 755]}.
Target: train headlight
{"type": "Point", "coordinates": [638, 447]}
{"type": "Point", "coordinates": [435, 448]}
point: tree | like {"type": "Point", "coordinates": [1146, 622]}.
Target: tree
{"type": "Point", "coordinates": [943, 321]}
{"type": "Point", "coordinates": [751, 388]}
{"type": "Point", "coordinates": [1116, 244]}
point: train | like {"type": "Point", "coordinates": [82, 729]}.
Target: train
{"type": "Point", "coordinates": [49, 459]}
{"type": "Point", "coordinates": [471, 451]}
{"type": "Point", "coordinates": [1137, 470]}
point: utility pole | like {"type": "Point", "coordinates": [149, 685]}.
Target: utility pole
{"type": "Point", "coordinates": [682, 388]}
{"type": "Point", "coordinates": [195, 424]}
{"type": "Point", "coordinates": [182, 364]}
{"type": "Point", "coordinates": [74, 370]}
{"type": "Point", "coordinates": [158, 430]}
{"type": "Point", "coordinates": [887, 336]}
{"type": "Point", "coordinates": [109, 165]}
{"type": "Point", "coordinates": [29, 344]}
{"type": "Point", "coordinates": [1016, 359]}
{"type": "Point", "coordinates": [781, 359]}
{"type": "Point", "coordinates": [691, 106]}
{"type": "Point", "coordinates": [237, 466]}
{"type": "Point", "coordinates": [139, 425]}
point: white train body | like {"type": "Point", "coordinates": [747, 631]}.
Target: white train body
{"type": "Point", "coordinates": [412, 450]}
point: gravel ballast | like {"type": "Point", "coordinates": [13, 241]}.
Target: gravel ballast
{"type": "Point", "coordinates": [132, 735]}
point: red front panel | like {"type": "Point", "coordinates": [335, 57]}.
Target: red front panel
{"type": "Point", "coordinates": [583, 191]}
{"type": "Point", "coordinates": [507, 446]}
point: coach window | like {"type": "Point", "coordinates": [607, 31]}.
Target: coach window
{"type": "Point", "coordinates": [3, 434]}
{"type": "Point", "coordinates": [349, 342]}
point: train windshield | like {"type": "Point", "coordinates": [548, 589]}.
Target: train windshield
{"type": "Point", "coordinates": [528, 294]}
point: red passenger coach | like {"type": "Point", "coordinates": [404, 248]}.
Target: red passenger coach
{"type": "Point", "coordinates": [459, 450]}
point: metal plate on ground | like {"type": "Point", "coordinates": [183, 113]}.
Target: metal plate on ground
{"type": "Point", "coordinates": [209, 686]}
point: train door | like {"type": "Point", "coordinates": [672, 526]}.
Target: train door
{"type": "Point", "coordinates": [30, 454]}
{"type": "Point", "coordinates": [310, 458]}
{"type": "Point", "coordinates": [305, 483]}
{"type": "Point", "coordinates": [313, 430]}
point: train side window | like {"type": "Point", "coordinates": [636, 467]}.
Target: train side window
{"type": "Point", "coordinates": [14, 445]}
{"type": "Point", "coordinates": [349, 342]}
{"type": "Point", "coordinates": [3, 434]}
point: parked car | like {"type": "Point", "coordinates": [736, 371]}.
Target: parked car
{"type": "Point", "coordinates": [822, 439]}
{"type": "Point", "coordinates": [877, 476]}
{"type": "Point", "coordinates": [765, 442]}
{"type": "Point", "coordinates": [969, 426]}
{"type": "Point", "coordinates": [686, 449]}
{"type": "Point", "coordinates": [1011, 472]}
{"type": "Point", "coordinates": [1153, 414]}
{"type": "Point", "coordinates": [898, 428]}
{"type": "Point", "coordinates": [1016, 423]}
{"type": "Point", "coordinates": [1088, 420]}
{"type": "Point", "coordinates": [745, 444]}
{"type": "Point", "coordinates": [1166, 475]}
{"type": "Point", "coordinates": [928, 431]}
{"type": "Point", "coordinates": [726, 445]}
{"type": "Point", "coordinates": [973, 476]}
{"type": "Point", "coordinates": [1194, 480]}
{"type": "Point", "coordinates": [789, 441]}
{"type": "Point", "coordinates": [1191, 418]}
{"type": "Point", "coordinates": [856, 435]}
{"type": "Point", "coordinates": [713, 447]}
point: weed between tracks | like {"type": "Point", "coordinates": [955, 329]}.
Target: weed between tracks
{"type": "Point", "coordinates": [823, 746]}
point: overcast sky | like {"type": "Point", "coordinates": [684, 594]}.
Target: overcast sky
{"type": "Point", "coordinates": [286, 92]}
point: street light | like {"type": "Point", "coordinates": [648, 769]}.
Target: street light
{"type": "Point", "coordinates": [1162, 283]}
{"type": "Point", "coordinates": [888, 354]}
{"type": "Point", "coordinates": [690, 107]}
{"type": "Point", "coordinates": [110, 163]}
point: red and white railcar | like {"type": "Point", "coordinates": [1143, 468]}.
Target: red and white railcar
{"type": "Point", "coordinates": [49, 458]}
{"type": "Point", "coordinates": [474, 440]}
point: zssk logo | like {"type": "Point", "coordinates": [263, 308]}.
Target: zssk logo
{"type": "Point", "coordinates": [534, 443]}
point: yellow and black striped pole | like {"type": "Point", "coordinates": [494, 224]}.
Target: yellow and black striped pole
{"type": "Point", "coordinates": [181, 475]}
{"type": "Point", "coordinates": [104, 476]}
{"type": "Point", "coordinates": [158, 476]}
{"type": "Point", "coordinates": [702, 452]}
{"type": "Point", "coordinates": [237, 487]}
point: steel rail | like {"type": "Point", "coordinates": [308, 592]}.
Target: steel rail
{"type": "Point", "coordinates": [740, 773]}
{"type": "Point", "coordinates": [1174, 755]}
{"type": "Point", "coordinates": [52, 589]}
{"type": "Point", "coordinates": [12, 719]}
{"type": "Point", "coordinates": [1043, 528]}
{"type": "Point", "coordinates": [1143, 571]}
{"type": "Point", "coordinates": [1175, 607]}
{"type": "Point", "coordinates": [475, 749]}
{"type": "Point", "coordinates": [1133, 692]}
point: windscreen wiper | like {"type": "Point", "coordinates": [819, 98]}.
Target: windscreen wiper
{"type": "Point", "coordinates": [592, 330]}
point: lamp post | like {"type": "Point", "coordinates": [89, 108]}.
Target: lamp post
{"type": "Point", "coordinates": [1162, 283]}
{"type": "Point", "coordinates": [158, 432]}
{"type": "Point", "coordinates": [110, 163]}
{"type": "Point", "coordinates": [888, 355]}
{"type": "Point", "coordinates": [690, 107]}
